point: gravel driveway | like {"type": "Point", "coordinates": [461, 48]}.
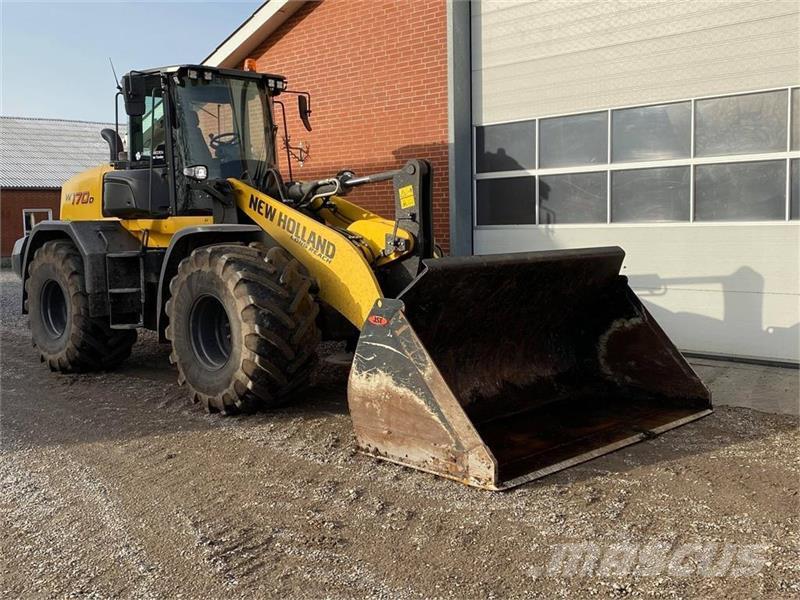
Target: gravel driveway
{"type": "Point", "coordinates": [112, 485]}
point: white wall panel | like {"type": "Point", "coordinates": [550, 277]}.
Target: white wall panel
{"type": "Point", "coordinates": [723, 289]}
{"type": "Point", "coordinates": [551, 57]}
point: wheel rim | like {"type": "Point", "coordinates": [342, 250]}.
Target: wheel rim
{"type": "Point", "coordinates": [53, 308]}
{"type": "Point", "coordinates": [210, 332]}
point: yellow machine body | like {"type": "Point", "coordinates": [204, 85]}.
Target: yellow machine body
{"type": "Point", "coordinates": [82, 200]}
{"type": "Point", "coordinates": [82, 195]}
{"type": "Point", "coordinates": [343, 266]}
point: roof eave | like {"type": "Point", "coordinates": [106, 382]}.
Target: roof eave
{"type": "Point", "coordinates": [29, 187]}
{"type": "Point", "coordinates": [250, 34]}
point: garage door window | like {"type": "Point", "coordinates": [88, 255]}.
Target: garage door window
{"type": "Point", "coordinates": [652, 132]}
{"type": "Point", "coordinates": [507, 201]}
{"type": "Point", "coordinates": [795, 193]}
{"type": "Point", "coordinates": [573, 141]}
{"type": "Point", "coordinates": [650, 195]}
{"type": "Point", "coordinates": [796, 119]}
{"type": "Point", "coordinates": [746, 124]}
{"type": "Point", "coordinates": [573, 198]}
{"type": "Point", "coordinates": [726, 158]}
{"type": "Point", "coordinates": [741, 191]}
{"type": "Point", "coordinates": [509, 147]}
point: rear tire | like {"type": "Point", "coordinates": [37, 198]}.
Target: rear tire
{"type": "Point", "coordinates": [242, 322]}
{"type": "Point", "coordinates": [67, 337]}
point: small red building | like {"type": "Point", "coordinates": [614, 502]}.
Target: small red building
{"type": "Point", "coordinates": [36, 157]}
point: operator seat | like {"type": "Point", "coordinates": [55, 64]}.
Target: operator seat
{"type": "Point", "coordinates": [198, 146]}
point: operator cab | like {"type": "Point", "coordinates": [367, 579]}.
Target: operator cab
{"type": "Point", "coordinates": [190, 128]}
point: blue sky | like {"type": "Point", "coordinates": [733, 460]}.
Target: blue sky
{"type": "Point", "coordinates": [54, 60]}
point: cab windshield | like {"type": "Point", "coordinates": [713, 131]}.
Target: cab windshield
{"type": "Point", "coordinates": [222, 123]}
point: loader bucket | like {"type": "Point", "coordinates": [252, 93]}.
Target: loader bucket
{"type": "Point", "coordinates": [496, 370]}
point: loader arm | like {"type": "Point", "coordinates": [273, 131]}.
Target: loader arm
{"type": "Point", "coordinates": [346, 278]}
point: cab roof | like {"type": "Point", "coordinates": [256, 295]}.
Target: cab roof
{"type": "Point", "coordinates": [205, 68]}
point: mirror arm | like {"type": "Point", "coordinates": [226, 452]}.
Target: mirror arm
{"type": "Point", "coordinates": [305, 111]}
{"type": "Point", "coordinates": [286, 138]}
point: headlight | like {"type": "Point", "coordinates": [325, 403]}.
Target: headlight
{"type": "Point", "coordinates": [198, 172]}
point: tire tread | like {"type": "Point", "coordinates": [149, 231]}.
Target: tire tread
{"type": "Point", "coordinates": [275, 301]}
{"type": "Point", "coordinates": [92, 344]}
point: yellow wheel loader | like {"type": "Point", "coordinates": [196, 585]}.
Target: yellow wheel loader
{"type": "Point", "coordinates": [490, 370]}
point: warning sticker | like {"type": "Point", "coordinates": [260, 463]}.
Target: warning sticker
{"type": "Point", "coordinates": [406, 196]}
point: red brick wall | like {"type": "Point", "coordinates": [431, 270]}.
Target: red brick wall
{"type": "Point", "coordinates": [11, 204]}
{"type": "Point", "coordinates": [377, 73]}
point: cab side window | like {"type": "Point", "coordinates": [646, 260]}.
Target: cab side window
{"type": "Point", "coordinates": [147, 134]}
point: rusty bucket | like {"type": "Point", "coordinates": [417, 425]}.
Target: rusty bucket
{"type": "Point", "coordinates": [496, 370]}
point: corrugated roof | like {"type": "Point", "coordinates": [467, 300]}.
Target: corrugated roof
{"type": "Point", "coordinates": [42, 153]}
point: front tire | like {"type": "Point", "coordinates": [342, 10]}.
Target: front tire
{"type": "Point", "coordinates": [67, 337]}
{"type": "Point", "coordinates": [242, 322]}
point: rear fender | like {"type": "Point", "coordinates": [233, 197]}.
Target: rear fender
{"type": "Point", "coordinates": [18, 254]}
{"type": "Point", "coordinates": [94, 239]}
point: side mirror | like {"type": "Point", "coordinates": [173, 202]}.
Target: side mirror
{"type": "Point", "coordinates": [134, 94]}
{"type": "Point", "coordinates": [305, 111]}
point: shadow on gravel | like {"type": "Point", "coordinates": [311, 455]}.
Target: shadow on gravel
{"type": "Point", "coordinates": [725, 429]}
{"type": "Point", "coordinates": [139, 399]}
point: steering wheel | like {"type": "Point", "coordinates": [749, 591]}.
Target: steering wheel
{"type": "Point", "coordinates": [223, 139]}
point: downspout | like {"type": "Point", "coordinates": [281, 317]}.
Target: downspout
{"type": "Point", "coordinates": [459, 124]}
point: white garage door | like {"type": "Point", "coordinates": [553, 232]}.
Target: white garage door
{"type": "Point", "coordinates": [671, 129]}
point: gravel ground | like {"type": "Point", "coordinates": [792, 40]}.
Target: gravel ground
{"type": "Point", "coordinates": [112, 485]}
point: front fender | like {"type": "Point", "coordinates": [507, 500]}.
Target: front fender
{"type": "Point", "coordinates": [184, 242]}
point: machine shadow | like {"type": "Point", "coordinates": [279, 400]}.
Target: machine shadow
{"type": "Point", "coordinates": [742, 311]}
